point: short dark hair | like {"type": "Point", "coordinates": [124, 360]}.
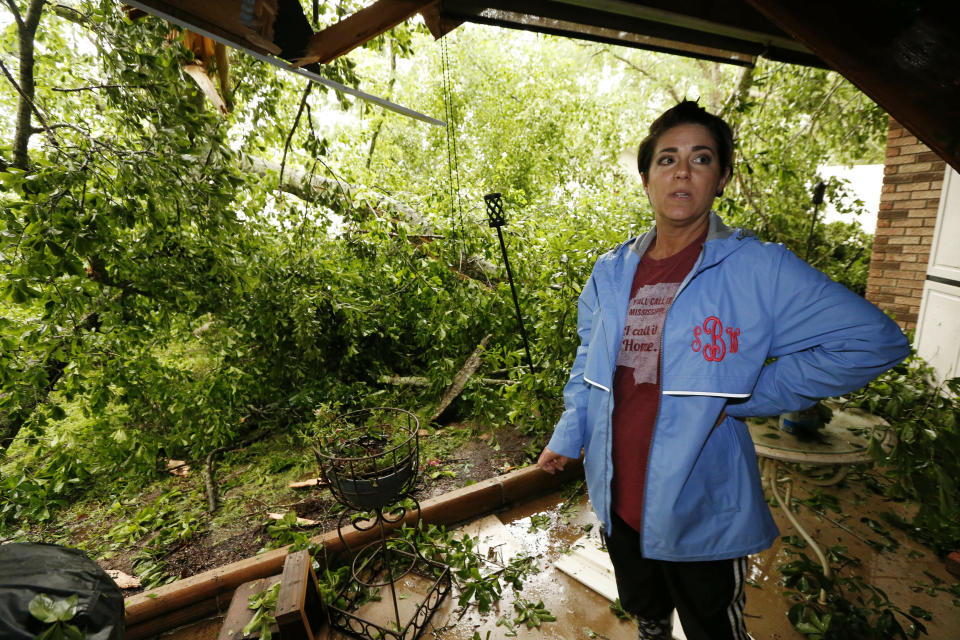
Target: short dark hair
{"type": "Point", "coordinates": [687, 112]}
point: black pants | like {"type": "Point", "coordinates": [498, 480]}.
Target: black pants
{"type": "Point", "coordinates": [708, 596]}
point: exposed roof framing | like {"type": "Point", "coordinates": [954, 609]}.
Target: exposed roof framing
{"type": "Point", "coordinates": [904, 54]}
{"type": "Point", "coordinates": [354, 30]}
{"type": "Point", "coordinates": [220, 20]}
{"type": "Point", "coordinates": [724, 31]}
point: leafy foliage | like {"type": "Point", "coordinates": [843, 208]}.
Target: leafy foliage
{"type": "Point", "coordinates": [57, 614]}
{"type": "Point", "coordinates": [854, 609]}
{"type": "Point", "coordinates": [285, 532]}
{"type": "Point", "coordinates": [479, 580]}
{"type": "Point", "coordinates": [924, 463]}
{"type": "Point", "coordinates": [170, 520]}
{"type": "Point", "coordinates": [264, 606]}
{"type": "Point", "coordinates": [531, 615]}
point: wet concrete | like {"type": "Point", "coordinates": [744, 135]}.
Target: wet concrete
{"type": "Point", "coordinates": [905, 571]}
{"type": "Point", "coordinates": [547, 528]}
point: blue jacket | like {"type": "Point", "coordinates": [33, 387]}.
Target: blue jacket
{"type": "Point", "coordinates": [743, 303]}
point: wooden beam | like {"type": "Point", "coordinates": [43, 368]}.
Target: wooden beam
{"type": "Point", "coordinates": [438, 24]}
{"type": "Point", "coordinates": [359, 28]}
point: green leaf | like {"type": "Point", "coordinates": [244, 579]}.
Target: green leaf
{"type": "Point", "coordinates": [48, 610]}
{"type": "Point", "coordinates": [42, 608]}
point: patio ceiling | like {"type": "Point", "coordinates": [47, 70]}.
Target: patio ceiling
{"type": "Point", "coordinates": [904, 54]}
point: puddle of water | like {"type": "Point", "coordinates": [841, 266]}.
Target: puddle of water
{"type": "Point", "coordinates": [546, 529]}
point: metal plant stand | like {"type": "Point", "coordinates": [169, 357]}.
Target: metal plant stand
{"type": "Point", "coordinates": [371, 464]}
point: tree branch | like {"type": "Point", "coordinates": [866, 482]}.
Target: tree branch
{"type": "Point", "coordinates": [738, 95]}
{"type": "Point", "coordinates": [30, 128]}
{"type": "Point", "coordinates": [23, 96]}
{"type": "Point", "coordinates": [670, 89]}
{"type": "Point", "coordinates": [16, 13]}
{"type": "Point", "coordinates": [51, 127]}
{"type": "Point", "coordinates": [102, 86]}
{"type": "Point", "coordinates": [208, 481]}
{"type": "Point", "coordinates": [296, 121]}
{"type": "Point", "coordinates": [97, 271]}
{"type": "Point", "coordinates": [816, 113]}
{"type": "Point", "coordinates": [393, 80]}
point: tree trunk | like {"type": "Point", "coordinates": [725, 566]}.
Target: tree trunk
{"type": "Point", "coordinates": [26, 31]}
{"type": "Point", "coordinates": [460, 380]}
{"type": "Point", "coordinates": [308, 188]}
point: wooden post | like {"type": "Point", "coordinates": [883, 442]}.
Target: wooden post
{"type": "Point", "coordinates": [299, 609]}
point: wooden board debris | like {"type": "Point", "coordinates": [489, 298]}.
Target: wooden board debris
{"type": "Point", "coordinates": [123, 580]}
{"type": "Point", "coordinates": [302, 522]}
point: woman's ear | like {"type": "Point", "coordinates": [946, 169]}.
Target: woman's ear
{"type": "Point", "coordinates": [723, 182]}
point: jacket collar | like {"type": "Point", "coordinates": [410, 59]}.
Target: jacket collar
{"type": "Point", "coordinates": [713, 252]}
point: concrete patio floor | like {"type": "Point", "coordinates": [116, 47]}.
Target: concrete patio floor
{"type": "Point", "coordinates": [907, 573]}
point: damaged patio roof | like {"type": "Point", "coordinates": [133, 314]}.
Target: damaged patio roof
{"type": "Point", "coordinates": [904, 54]}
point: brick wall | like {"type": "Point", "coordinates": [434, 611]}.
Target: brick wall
{"type": "Point", "coordinates": [912, 179]}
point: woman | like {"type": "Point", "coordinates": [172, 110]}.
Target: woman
{"type": "Point", "coordinates": [676, 328]}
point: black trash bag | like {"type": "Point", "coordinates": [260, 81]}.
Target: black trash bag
{"type": "Point", "coordinates": [28, 570]}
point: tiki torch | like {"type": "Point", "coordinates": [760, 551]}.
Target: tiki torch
{"type": "Point", "coordinates": [496, 220]}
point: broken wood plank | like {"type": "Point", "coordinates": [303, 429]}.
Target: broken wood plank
{"type": "Point", "coordinates": [199, 75]}
{"type": "Point", "coordinates": [302, 522]}
{"type": "Point", "coordinates": [460, 380]}
{"type": "Point", "coordinates": [304, 484]}
{"type": "Point", "coordinates": [178, 468]}
{"type": "Point", "coordinates": [239, 612]}
{"type": "Point", "coordinates": [123, 580]}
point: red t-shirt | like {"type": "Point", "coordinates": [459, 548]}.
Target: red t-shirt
{"type": "Point", "coordinates": [636, 382]}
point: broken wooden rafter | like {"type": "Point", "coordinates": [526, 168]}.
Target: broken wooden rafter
{"type": "Point", "coordinates": [358, 29]}
{"type": "Point", "coordinates": [209, 90]}
{"type": "Point", "coordinates": [219, 21]}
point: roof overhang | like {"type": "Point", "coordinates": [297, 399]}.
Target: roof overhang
{"type": "Point", "coordinates": [904, 55]}
{"type": "Point", "coordinates": [731, 32]}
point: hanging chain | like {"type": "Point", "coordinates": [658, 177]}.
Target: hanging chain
{"type": "Point", "coordinates": [453, 167]}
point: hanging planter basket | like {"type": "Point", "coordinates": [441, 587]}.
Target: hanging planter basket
{"type": "Point", "coordinates": [370, 458]}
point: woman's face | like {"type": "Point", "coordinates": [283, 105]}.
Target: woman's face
{"type": "Point", "coordinates": [684, 176]}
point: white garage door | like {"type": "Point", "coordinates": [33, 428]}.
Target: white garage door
{"type": "Point", "coordinates": [938, 326]}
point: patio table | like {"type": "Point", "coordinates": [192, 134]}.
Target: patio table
{"type": "Point", "coordinates": [840, 444]}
